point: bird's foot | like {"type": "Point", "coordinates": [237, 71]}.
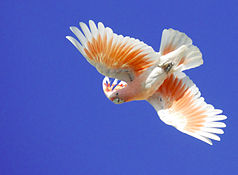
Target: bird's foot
{"type": "Point", "coordinates": [167, 67]}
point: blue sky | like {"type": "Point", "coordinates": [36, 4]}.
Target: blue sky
{"type": "Point", "coordinates": [54, 117]}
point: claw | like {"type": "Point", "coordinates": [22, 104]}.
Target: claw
{"type": "Point", "coordinates": [167, 67]}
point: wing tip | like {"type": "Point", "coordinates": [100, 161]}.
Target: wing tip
{"type": "Point", "coordinates": [68, 37]}
{"type": "Point", "coordinates": [72, 27]}
{"type": "Point", "coordinates": [91, 21]}
{"type": "Point", "coordinates": [81, 23]}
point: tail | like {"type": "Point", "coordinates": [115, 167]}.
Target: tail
{"type": "Point", "coordinates": [177, 48]}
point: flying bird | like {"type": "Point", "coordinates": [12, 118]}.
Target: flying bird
{"type": "Point", "coordinates": [141, 73]}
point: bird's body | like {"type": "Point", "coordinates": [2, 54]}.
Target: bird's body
{"type": "Point", "coordinates": [138, 89]}
{"type": "Point", "coordinates": [146, 84]}
{"type": "Point", "coordinates": [152, 76]}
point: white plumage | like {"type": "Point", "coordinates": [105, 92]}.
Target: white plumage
{"type": "Point", "coordinates": [190, 113]}
{"type": "Point", "coordinates": [153, 76]}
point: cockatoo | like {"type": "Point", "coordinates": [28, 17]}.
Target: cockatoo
{"type": "Point", "coordinates": [141, 73]}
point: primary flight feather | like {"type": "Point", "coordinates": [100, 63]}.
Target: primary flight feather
{"type": "Point", "coordinates": [156, 77]}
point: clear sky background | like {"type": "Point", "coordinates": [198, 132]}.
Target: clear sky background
{"type": "Point", "coordinates": [55, 118]}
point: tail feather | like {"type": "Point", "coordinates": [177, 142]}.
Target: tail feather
{"type": "Point", "coordinates": [172, 40]}
{"type": "Point", "coordinates": [177, 47]}
{"type": "Point", "coordinates": [192, 58]}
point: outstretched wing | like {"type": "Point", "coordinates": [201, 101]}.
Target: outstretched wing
{"type": "Point", "coordinates": [179, 103]}
{"type": "Point", "coordinates": [113, 55]}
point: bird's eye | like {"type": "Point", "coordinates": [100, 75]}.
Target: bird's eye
{"type": "Point", "coordinates": [118, 101]}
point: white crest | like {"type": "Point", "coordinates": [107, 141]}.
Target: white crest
{"type": "Point", "coordinates": [110, 87]}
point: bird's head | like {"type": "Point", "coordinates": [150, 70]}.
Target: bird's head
{"type": "Point", "coordinates": [113, 90]}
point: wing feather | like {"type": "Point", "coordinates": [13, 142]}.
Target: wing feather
{"type": "Point", "coordinates": [113, 55]}
{"type": "Point", "coordinates": [179, 103]}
